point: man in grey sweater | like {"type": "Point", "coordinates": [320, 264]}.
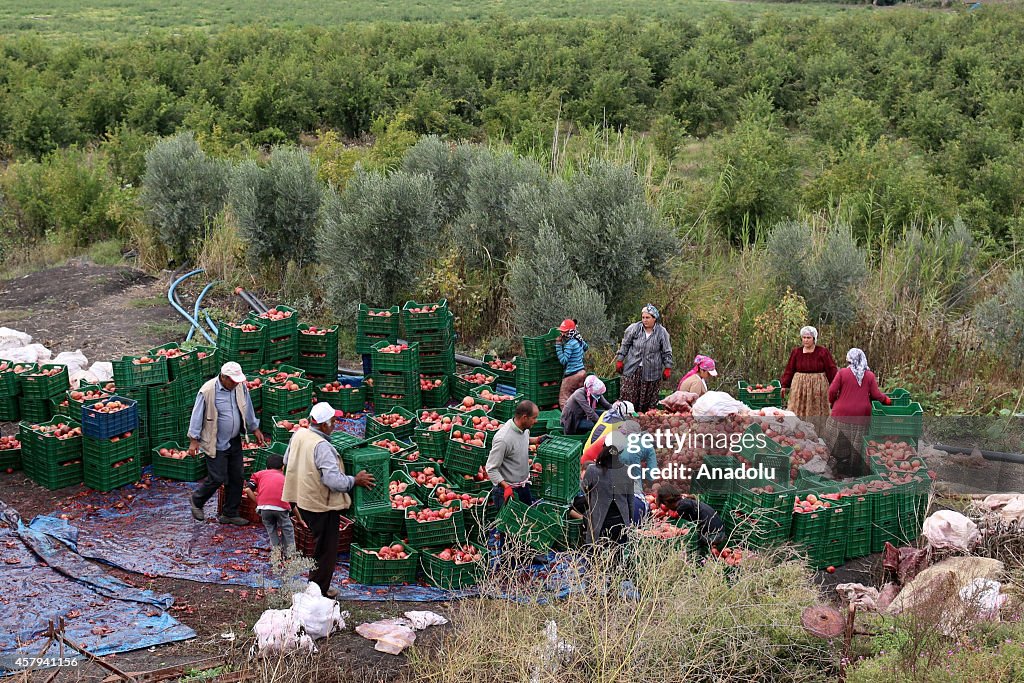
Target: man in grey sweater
{"type": "Point", "coordinates": [508, 464]}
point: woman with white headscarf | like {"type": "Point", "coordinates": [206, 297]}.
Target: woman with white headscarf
{"type": "Point", "coordinates": [580, 413]}
{"type": "Point", "coordinates": [644, 359]}
{"type": "Point", "coordinates": [851, 394]}
{"type": "Point", "coordinates": [808, 374]}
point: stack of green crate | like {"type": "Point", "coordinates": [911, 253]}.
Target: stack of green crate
{"type": "Point", "coordinates": [714, 489]}
{"type": "Point", "coordinates": [560, 479]}
{"type": "Point", "coordinates": [502, 410]}
{"type": "Point", "coordinates": [242, 342]}
{"type": "Point", "coordinates": [432, 327]}
{"type": "Point", "coordinates": [538, 526]}
{"type": "Point", "coordinates": [903, 418]}
{"type": "Point", "coordinates": [10, 455]}
{"type": "Point", "coordinates": [538, 372]}
{"type": "Point", "coordinates": [111, 463]}
{"type": "Point", "coordinates": [282, 402]}
{"type": "Point", "coordinates": [769, 394]}
{"type": "Point", "coordinates": [396, 378]}
{"type": "Point", "coordinates": [168, 409]}
{"type": "Point", "coordinates": [432, 444]}
{"type": "Point", "coordinates": [374, 325]}
{"type": "Point", "coordinates": [38, 391]}
{"type": "Point", "coordinates": [612, 388]}
{"type": "Point", "coordinates": [464, 458]}
{"type": "Point", "coordinates": [761, 518]}
{"type": "Point", "coordinates": [209, 361]}
{"type": "Point", "coordinates": [10, 389]}
{"type": "Point", "coordinates": [887, 515]}
{"type": "Point", "coordinates": [51, 462]}
{"type": "Point", "coordinates": [282, 336]}
{"type": "Point", "coordinates": [823, 533]}
{"type": "Point", "coordinates": [318, 352]}
{"type": "Point", "coordinates": [775, 458]}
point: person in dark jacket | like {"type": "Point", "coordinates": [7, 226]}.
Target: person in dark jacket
{"type": "Point", "coordinates": [609, 493]}
{"type": "Point", "coordinates": [570, 347]}
{"type": "Point", "coordinates": [580, 413]}
{"type": "Point", "coordinates": [644, 359]}
{"type": "Point", "coordinates": [709, 525]}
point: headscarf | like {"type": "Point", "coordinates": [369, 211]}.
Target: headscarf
{"type": "Point", "coordinates": [696, 368]}
{"type": "Point", "coordinates": [620, 410]}
{"type": "Point", "coordinates": [858, 363]}
{"type": "Point", "coordinates": [650, 309]}
{"type": "Point", "coordinates": [574, 333]}
{"type": "Point", "coordinates": [807, 329]}
{"type": "Point", "coordinates": [595, 388]}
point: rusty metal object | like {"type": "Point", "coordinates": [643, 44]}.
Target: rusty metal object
{"type": "Point", "coordinates": [823, 621]}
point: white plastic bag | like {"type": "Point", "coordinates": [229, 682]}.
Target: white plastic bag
{"type": "Point", "coordinates": [421, 620]}
{"type": "Point", "coordinates": [985, 594]}
{"type": "Point", "coordinates": [13, 339]}
{"type": "Point", "coordinates": [279, 632]}
{"type": "Point", "coordinates": [717, 404]}
{"type": "Point", "coordinates": [43, 354]}
{"type": "Point", "coordinates": [950, 529]}
{"type": "Point", "coordinates": [1010, 506]}
{"type": "Point", "coordinates": [19, 354]}
{"type": "Point", "coordinates": [318, 615]}
{"type": "Point", "coordinates": [82, 377]}
{"type": "Point", "coordinates": [103, 371]}
{"type": "Point", "coordinates": [75, 360]}
{"type": "Point", "coordinates": [391, 635]}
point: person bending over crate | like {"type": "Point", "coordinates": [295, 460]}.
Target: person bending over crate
{"type": "Point", "coordinates": [265, 489]}
{"type": "Point", "coordinates": [508, 464]}
{"type": "Point", "coordinates": [316, 482]}
{"type": "Point", "coordinates": [221, 410]}
{"type": "Point", "coordinates": [710, 527]}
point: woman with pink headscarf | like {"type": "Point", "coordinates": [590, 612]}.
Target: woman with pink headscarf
{"type": "Point", "coordinates": [696, 380]}
{"type": "Point", "coordinates": [580, 413]}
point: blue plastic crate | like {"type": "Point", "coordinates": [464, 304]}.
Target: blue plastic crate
{"type": "Point", "coordinates": [349, 379]}
{"type": "Point", "coordinates": [505, 389]}
{"type": "Point", "coordinates": [106, 425]}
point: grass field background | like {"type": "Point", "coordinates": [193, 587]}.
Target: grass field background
{"type": "Point", "coordinates": [57, 19]}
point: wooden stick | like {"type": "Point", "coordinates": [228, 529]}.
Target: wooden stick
{"type": "Point", "coordinates": [59, 635]}
{"type": "Point", "coordinates": [169, 672]}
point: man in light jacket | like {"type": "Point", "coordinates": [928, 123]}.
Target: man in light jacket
{"type": "Point", "coordinates": [508, 464]}
{"type": "Point", "coordinates": [221, 410]}
{"type": "Point", "coordinates": [316, 482]}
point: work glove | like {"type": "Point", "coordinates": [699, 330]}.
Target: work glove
{"type": "Point", "coordinates": [887, 401]}
{"type": "Point", "coordinates": [542, 438]}
{"type": "Point", "coordinates": [507, 492]}
{"type": "Point", "coordinates": [619, 366]}
{"type": "Point", "coordinates": [667, 373]}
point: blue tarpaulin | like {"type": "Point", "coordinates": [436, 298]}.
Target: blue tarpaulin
{"type": "Point", "coordinates": [41, 580]}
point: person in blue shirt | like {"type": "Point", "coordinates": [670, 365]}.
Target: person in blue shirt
{"type": "Point", "coordinates": [570, 348]}
{"type": "Point", "coordinates": [221, 411]}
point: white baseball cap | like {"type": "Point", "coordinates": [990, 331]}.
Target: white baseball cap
{"type": "Point", "coordinates": [321, 412]}
{"type": "Point", "coordinates": [233, 371]}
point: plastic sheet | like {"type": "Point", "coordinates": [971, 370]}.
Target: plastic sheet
{"type": "Point", "coordinates": [101, 613]}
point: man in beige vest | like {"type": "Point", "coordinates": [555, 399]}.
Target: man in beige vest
{"type": "Point", "coordinates": [316, 482]}
{"type": "Point", "coordinates": [221, 410]}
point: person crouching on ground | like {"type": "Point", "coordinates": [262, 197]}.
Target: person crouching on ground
{"type": "Point", "coordinates": [265, 489]}
{"type": "Point", "coordinates": [580, 413]}
{"type": "Point", "coordinates": [316, 482]}
{"type": "Point", "coordinates": [508, 464]}
{"type": "Point", "coordinates": [221, 410]}
{"type": "Point", "coordinates": [710, 527]}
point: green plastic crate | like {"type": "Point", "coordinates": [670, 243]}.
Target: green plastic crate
{"type": "Point", "coordinates": [435, 533]}
{"type": "Point", "coordinates": [381, 520]}
{"type": "Point", "coordinates": [716, 482]}
{"type": "Point", "coordinates": [326, 367]}
{"type": "Point", "coordinates": [231, 340]}
{"type": "Point", "coordinates": [900, 397]}
{"type": "Point", "coordinates": [367, 569]}
{"type": "Point", "coordinates": [532, 372]}
{"type": "Point", "coordinates": [404, 447]}
{"type": "Point", "coordinates": [395, 382]}
{"type": "Point", "coordinates": [533, 525]}
{"type": "Point", "coordinates": [128, 374]}
{"type": "Point", "coordinates": [374, 428]}
{"type": "Point", "coordinates": [278, 328]}
{"type": "Point", "coordinates": [442, 363]}
{"type": "Point", "coordinates": [448, 575]}
{"type": "Point", "coordinates": [407, 361]}
{"type": "Point", "coordinates": [36, 410]}
{"type": "Point", "coordinates": [823, 533]}
{"type": "Point", "coordinates": [502, 410]}
{"type": "Point", "coordinates": [10, 409]}
{"type": "Point", "coordinates": [281, 352]}
{"type": "Point", "coordinates": [186, 365]}
{"type": "Point", "coordinates": [436, 319]}
{"type": "Point", "coordinates": [896, 420]}
{"type": "Point", "coordinates": [365, 342]}
{"type": "Point", "coordinates": [54, 476]}
{"type": "Point", "coordinates": [108, 477]}
{"type": "Point", "coordinates": [351, 400]}
{"type": "Point", "coordinates": [377, 462]}
{"type": "Point", "coordinates": [189, 469]}
{"type": "Point", "coordinates": [10, 381]}
{"type": "Point", "coordinates": [104, 452]}
{"type": "Point", "coordinates": [765, 518]}
{"type": "Point", "coordinates": [364, 538]}
{"type": "Point", "coordinates": [541, 347]}
{"type": "Point", "coordinates": [504, 376]}
{"type": "Point", "coordinates": [760, 399]}
{"type": "Point", "coordinates": [438, 396]}
{"type": "Point", "coordinates": [560, 458]}
{"type": "Point", "coordinates": [322, 343]}
{"type": "Point", "coordinates": [44, 387]}
{"type": "Point", "coordinates": [612, 388]}
{"type": "Point", "coordinates": [50, 449]}
{"type": "Point", "coordinates": [387, 403]}
{"type": "Point", "coordinates": [10, 459]}
{"type": "Point", "coordinates": [209, 361]}
{"type": "Point", "coordinates": [384, 326]}
{"type": "Point", "coordinates": [278, 401]}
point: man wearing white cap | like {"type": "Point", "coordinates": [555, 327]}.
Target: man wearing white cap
{"type": "Point", "coordinates": [316, 482]}
{"type": "Point", "coordinates": [221, 410]}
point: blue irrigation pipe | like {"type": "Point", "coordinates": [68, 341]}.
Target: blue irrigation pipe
{"type": "Point", "coordinates": [172, 299]}
{"type": "Point", "coordinates": [195, 312]}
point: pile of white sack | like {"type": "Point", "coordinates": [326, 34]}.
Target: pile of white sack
{"type": "Point", "coordinates": [17, 346]}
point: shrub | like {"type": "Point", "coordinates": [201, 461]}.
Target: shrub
{"type": "Point", "coordinates": [824, 267]}
{"type": "Point", "coordinates": [842, 117]}
{"type": "Point", "coordinates": [182, 191]}
{"type": "Point", "coordinates": [1001, 318]}
{"type": "Point", "coordinates": [376, 237]}
{"type": "Point", "coordinates": [449, 165]}
{"type": "Point", "coordinates": [277, 207]}
{"type": "Point", "coordinates": [39, 123]}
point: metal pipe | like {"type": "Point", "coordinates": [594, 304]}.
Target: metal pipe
{"type": "Point", "coordinates": [172, 298]}
{"type": "Point", "coordinates": [466, 360]}
{"type": "Point", "coordinates": [258, 305]}
{"type": "Point", "coordinates": [195, 311]}
{"type": "Point", "coordinates": [997, 456]}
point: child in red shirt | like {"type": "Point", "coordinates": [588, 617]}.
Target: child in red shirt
{"type": "Point", "coordinates": [266, 488]}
